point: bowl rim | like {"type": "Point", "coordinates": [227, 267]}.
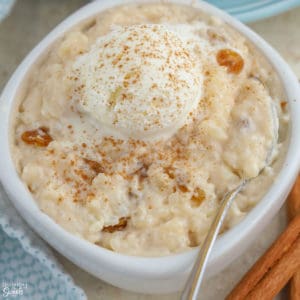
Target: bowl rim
{"type": "Point", "coordinates": [238, 236]}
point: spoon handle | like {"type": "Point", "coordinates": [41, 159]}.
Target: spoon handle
{"type": "Point", "coordinates": [193, 283]}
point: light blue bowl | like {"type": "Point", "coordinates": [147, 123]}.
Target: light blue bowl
{"type": "Point", "coordinates": [249, 11]}
{"type": "Point", "coordinates": [244, 10]}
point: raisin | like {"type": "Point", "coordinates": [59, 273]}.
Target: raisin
{"type": "Point", "coordinates": [231, 60]}
{"type": "Point", "coordinates": [117, 227]}
{"type": "Point", "coordinates": [142, 171]}
{"type": "Point", "coordinates": [39, 137]}
{"type": "Point", "coordinates": [170, 172]}
{"type": "Point", "coordinates": [283, 105]}
{"type": "Point", "coordinates": [183, 188]}
{"type": "Point", "coordinates": [198, 197]}
{"type": "Point", "coordinates": [94, 165]}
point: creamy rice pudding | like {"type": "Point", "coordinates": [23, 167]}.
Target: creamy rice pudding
{"type": "Point", "coordinates": [136, 123]}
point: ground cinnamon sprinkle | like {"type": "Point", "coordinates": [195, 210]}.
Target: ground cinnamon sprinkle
{"type": "Point", "coordinates": [83, 175]}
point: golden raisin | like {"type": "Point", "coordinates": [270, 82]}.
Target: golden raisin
{"type": "Point", "coordinates": [283, 105]}
{"type": "Point", "coordinates": [193, 238]}
{"type": "Point", "coordinates": [231, 60]}
{"type": "Point", "coordinates": [118, 227]}
{"type": "Point", "coordinates": [170, 172]}
{"type": "Point", "coordinates": [183, 188]}
{"type": "Point", "coordinates": [198, 197]}
{"type": "Point", "coordinates": [142, 171]}
{"type": "Point", "coordinates": [39, 137]}
{"type": "Point", "coordinates": [94, 165]}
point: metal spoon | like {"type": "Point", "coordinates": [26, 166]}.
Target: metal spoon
{"type": "Point", "coordinates": [192, 286]}
{"type": "Point", "coordinates": [194, 281]}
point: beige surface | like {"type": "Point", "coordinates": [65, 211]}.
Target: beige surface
{"type": "Point", "coordinates": [32, 19]}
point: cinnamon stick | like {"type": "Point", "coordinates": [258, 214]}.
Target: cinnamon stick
{"type": "Point", "coordinates": [278, 276]}
{"type": "Point", "coordinates": [262, 274]}
{"type": "Point", "coordinates": [294, 291]}
{"type": "Point", "coordinates": [293, 205]}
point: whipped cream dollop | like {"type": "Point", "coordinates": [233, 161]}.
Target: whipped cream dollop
{"type": "Point", "coordinates": [141, 81]}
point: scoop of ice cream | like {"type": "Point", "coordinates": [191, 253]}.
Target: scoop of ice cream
{"type": "Point", "coordinates": [141, 81]}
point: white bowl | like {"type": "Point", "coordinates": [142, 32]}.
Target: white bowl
{"type": "Point", "coordinates": [140, 274]}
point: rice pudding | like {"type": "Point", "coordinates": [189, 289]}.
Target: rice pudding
{"type": "Point", "coordinates": [136, 123]}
